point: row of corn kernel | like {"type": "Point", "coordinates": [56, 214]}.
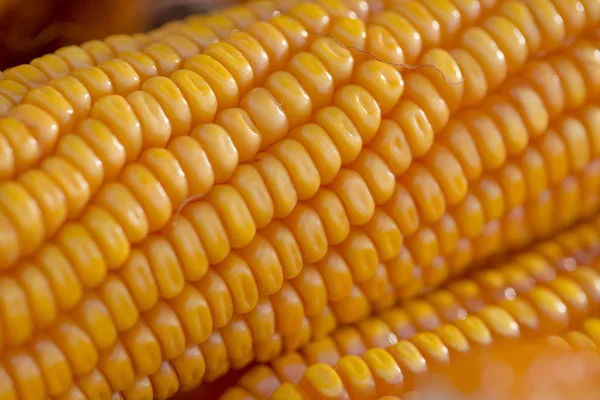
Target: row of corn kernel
{"type": "Point", "coordinates": [584, 338]}
{"type": "Point", "coordinates": [571, 194]}
{"type": "Point", "coordinates": [533, 180]}
{"type": "Point", "coordinates": [136, 82]}
{"type": "Point", "coordinates": [569, 245]}
{"type": "Point", "coordinates": [532, 364]}
{"type": "Point", "coordinates": [364, 301]}
{"type": "Point", "coordinates": [229, 340]}
{"type": "Point", "coordinates": [376, 333]}
{"type": "Point", "coordinates": [438, 22]}
{"type": "Point", "coordinates": [343, 35]}
{"type": "Point", "coordinates": [216, 25]}
{"type": "Point", "coordinates": [419, 142]}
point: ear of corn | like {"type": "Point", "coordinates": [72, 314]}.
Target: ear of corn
{"type": "Point", "coordinates": [182, 203]}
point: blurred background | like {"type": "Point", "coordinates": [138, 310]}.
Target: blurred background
{"type": "Point", "coordinates": [32, 28]}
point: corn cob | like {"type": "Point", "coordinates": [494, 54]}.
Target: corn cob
{"type": "Point", "coordinates": [327, 179]}
{"type": "Point", "coordinates": [96, 172]}
{"type": "Point", "coordinates": [92, 283]}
